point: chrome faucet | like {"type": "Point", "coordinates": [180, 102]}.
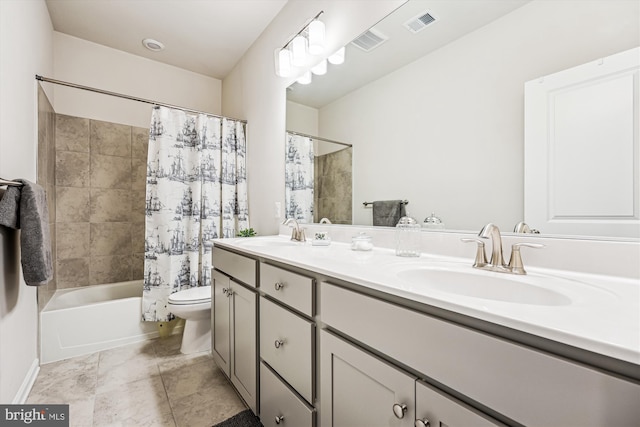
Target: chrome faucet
{"type": "Point", "coordinates": [325, 220]}
{"type": "Point", "coordinates": [297, 233]}
{"type": "Point", "coordinates": [496, 263]}
{"type": "Point", "coordinates": [523, 227]}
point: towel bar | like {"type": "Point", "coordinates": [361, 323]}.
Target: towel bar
{"type": "Point", "coordinates": [10, 183]}
{"type": "Point", "coordinates": [404, 202]}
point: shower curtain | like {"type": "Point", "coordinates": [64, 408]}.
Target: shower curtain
{"type": "Point", "coordinates": [196, 191]}
{"type": "Point", "coordinates": [299, 178]}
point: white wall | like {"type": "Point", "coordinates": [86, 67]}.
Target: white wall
{"type": "Point", "coordinates": [252, 91]}
{"type": "Point", "coordinates": [455, 143]}
{"type": "Point", "coordinates": [25, 50]}
{"type": "Point", "coordinates": [90, 64]}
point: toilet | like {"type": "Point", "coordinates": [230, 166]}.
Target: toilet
{"type": "Point", "coordinates": [194, 306]}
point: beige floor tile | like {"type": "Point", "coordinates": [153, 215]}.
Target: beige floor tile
{"type": "Point", "coordinates": [189, 379]}
{"type": "Point", "coordinates": [169, 363]}
{"type": "Point", "coordinates": [126, 364]}
{"type": "Point", "coordinates": [207, 406]}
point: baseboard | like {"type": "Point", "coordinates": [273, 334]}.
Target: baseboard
{"type": "Point", "coordinates": [24, 390]}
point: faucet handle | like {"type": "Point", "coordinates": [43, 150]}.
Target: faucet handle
{"type": "Point", "coordinates": [515, 263]}
{"type": "Point", "coordinates": [481, 256]}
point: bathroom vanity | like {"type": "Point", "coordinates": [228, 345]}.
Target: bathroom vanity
{"type": "Point", "coordinates": [352, 338]}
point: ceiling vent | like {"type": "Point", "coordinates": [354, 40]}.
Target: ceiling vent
{"type": "Point", "coordinates": [370, 40]}
{"type": "Point", "coordinates": [420, 22]}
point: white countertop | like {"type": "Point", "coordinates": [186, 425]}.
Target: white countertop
{"type": "Point", "coordinates": [596, 312]}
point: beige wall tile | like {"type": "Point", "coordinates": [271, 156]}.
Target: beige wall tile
{"type": "Point", "coordinates": [110, 139]}
{"type": "Point", "coordinates": [72, 133]}
{"type": "Point", "coordinates": [72, 169]}
{"type": "Point", "coordinates": [139, 143]}
{"type": "Point", "coordinates": [50, 192]}
{"type": "Point", "coordinates": [72, 204]}
{"type": "Point", "coordinates": [110, 238]}
{"type": "Point", "coordinates": [73, 240]}
{"type": "Point", "coordinates": [72, 272]}
{"type": "Point", "coordinates": [110, 269]}
{"type": "Point", "coordinates": [110, 172]}
{"type": "Point", "coordinates": [110, 205]}
{"type": "Point", "coordinates": [138, 204]}
{"type": "Point", "coordinates": [138, 174]}
{"type": "Point", "coordinates": [137, 237]}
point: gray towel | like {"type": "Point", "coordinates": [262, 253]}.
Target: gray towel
{"type": "Point", "coordinates": [26, 208]}
{"type": "Point", "coordinates": [387, 213]}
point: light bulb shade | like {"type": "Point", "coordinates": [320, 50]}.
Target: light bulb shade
{"type": "Point", "coordinates": [338, 57]}
{"type": "Point", "coordinates": [305, 79]}
{"type": "Point", "coordinates": [316, 37]}
{"type": "Point", "coordinates": [299, 50]}
{"type": "Point", "coordinates": [320, 68]}
{"type": "Point", "coordinates": [284, 63]}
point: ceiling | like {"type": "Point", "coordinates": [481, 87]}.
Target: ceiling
{"type": "Point", "coordinates": [204, 36]}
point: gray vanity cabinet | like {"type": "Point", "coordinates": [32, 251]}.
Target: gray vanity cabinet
{"type": "Point", "coordinates": [233, 329]}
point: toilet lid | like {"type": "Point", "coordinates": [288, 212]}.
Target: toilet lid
{"type": "Point", "coordinates": [191, 296]}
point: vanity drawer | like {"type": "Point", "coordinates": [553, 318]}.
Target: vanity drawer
{"type": "Point", "coordinates": [235, 265]}
{"type": "Point", "coordinates": [286, 344]}
{"type": "Point", "coordinates": [277, 400]}
{"type": "Point", "coordinates": [495, 372]}
{"type": "Point", "coordinates": [290, 288]}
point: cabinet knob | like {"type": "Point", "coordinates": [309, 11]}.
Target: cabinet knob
{"type": "Point", "coordinates": [279, 343]}
{"type": "Point", "coordinates": [279, 419]}
{"type": "Point", "coordinates": [225, 290]}
{"type": "Point", "coordinates": [422, 423]}
{"type": "Point", "coordinates": [279, 285]}
{"type": "Point", "coordinates": [399, 410]}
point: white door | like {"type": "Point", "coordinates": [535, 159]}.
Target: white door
{"type": "Point", "coordinates": [581, 149]}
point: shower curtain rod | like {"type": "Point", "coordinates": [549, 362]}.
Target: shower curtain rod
{"type": "Point", "coordinates": [319, 139]}
{"type": "Point", "coordinates": [132, 98]}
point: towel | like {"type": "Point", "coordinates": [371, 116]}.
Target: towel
{"type": "Point", "coordinates": [388, 212]}
{"type": "Point", "coordinates": [26, 208]}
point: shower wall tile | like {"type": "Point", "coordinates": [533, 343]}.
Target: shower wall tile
{"type": "Point", "coordinates": [72, 133]}
{"type": "Point", "coordinates": [110, 238]}
{"type": "Point", "coordinates": [137, 237]}
{"type": "Point", "coordinates": [139, 143]}
{"type": "Point", "coordinates": [138, 206]}
{"type": "Point", "coordinates": [110, 139]}
{"type": "Point", "coordinates": [73, 240]}
{"type": "Point", "coordinates": [110, 172]}
{"type": "Point", "coordinates": [138, 174]}
{"type": "Point", "coordinates": [110, 205]}
{"type": "Point", "coordinates": [72, 204]}
{"type": "Point", "coordinates": [137, 266]}
{"type": "Point", "coordinates": [72, 169]}
{"type": "Point", "coordinates": [110, 269]}
{"type": "Point", "coordinates": [73, 272]}
{"type": "Point", "coordinates": [50, 193]}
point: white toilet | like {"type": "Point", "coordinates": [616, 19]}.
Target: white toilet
{"type": "Point", "coordinates": [194, 306]}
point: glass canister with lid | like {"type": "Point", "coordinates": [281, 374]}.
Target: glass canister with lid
{"type": "Point", "coordinates": [361, 242]}
{"type": "Point", "coordinates": [408, 237]}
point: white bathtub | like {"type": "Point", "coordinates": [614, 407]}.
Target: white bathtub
{"type": "Point", "coordinates": [92, 318]}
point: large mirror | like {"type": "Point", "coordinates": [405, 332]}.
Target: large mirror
{"type": "Point", "coordinates": [435, 111]}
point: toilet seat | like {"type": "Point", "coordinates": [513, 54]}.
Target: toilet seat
{"type": "Point", "coordinates": [197, 295]}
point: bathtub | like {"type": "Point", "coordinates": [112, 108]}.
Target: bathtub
{"type": "Point", "coordinates": [92, 318]}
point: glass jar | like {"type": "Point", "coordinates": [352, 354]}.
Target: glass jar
{"type": "Point", "coordinates": [408, 237]}
{"type": "Point", "coordinates": [361, 242]}
{"type": "Point", "coordinates": [433, 222]}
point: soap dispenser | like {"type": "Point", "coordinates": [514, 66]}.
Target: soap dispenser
{"type": "Point", "coordinates": [408, 237]}
{"type": "Point", "coordinates": [433, 222]}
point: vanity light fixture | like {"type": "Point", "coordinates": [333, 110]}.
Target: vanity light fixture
{"type": "Point", "coordinates": [320, 68]}
{"type": "Point", "coordinates": [316, 37]}
{"type": "Point", "coordinates": [338, 57]}
{"type": "Point", "coordinates": [284, 63]}
{"type": "Point", "coordinates": [301, 48]}
{"type": "Point", "coordinates": [305, 79]}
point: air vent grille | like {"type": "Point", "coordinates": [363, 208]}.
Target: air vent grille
{"type": "Point", "coordinates": [420, 22]}
{"type": "Point", "coordinates": [370, 40]}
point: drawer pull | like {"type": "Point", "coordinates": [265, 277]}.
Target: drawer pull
{"type": "Point", "coordinates": [279, 419]}
{"type": "Point", "coordinates": [279, 285]}
{"type": "Point", "coordinates": [399, 410]}
{"type": "Point", "coordinates": [279, 343]}
{"type": "Point", "coordinates": [422, 423]}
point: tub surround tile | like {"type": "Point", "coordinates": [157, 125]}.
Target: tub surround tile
{"type": "Point", "coordinates": [72, 272]}
{"type": "Point", "coordinates": [138, 174]}
{"type": "Point", "coordinates": [110, 205]}
{"type": "Point", "coordinates": [50, 192]}
{"type": "Point", "coordinates": [138, 206]}
{"type": "Point", "coordinates": [110, 139]}
{"type": "Point", "coordinates": [139, 143]}
{"type": "Point", "coordinates": [137, 238]}
{"type": "Point", "coordinates": [72, 204]}
{"type": "Point", "coordinates": [73, 240]}
{"type": "Point", "coordinates": [111, 238]}
{"type": "Point", "coordinates": [109, 269]}
{"type": "Point", "coordinates": [72, 169]}
{"type": "Point", "coordinates": [72, 133]}
{"type": "Point", "coordinates": [110, 172]}
{"type": "Point", "coordinates": [137, 266]}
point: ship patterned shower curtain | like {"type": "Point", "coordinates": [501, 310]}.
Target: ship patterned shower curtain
{"type": "Point", "coordinates": [196, 192]}
{"type": "Point", "coordinates": [298, 195]}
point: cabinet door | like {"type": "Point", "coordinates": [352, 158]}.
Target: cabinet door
{"type": "Point", "coordinates": [220, 321]}
{"type": "Point", "coordinates": [358, 389]}
{"type": "Point", "coordinates": [243, 343]}
{"type": "Point", "coordinates": [435, 409]}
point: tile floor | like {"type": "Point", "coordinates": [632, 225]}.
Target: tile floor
{"type": "Point", "coordinates": [144, 384]}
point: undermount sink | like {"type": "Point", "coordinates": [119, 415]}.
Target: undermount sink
{"type": "Point", "coordinates": [484, 285]}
